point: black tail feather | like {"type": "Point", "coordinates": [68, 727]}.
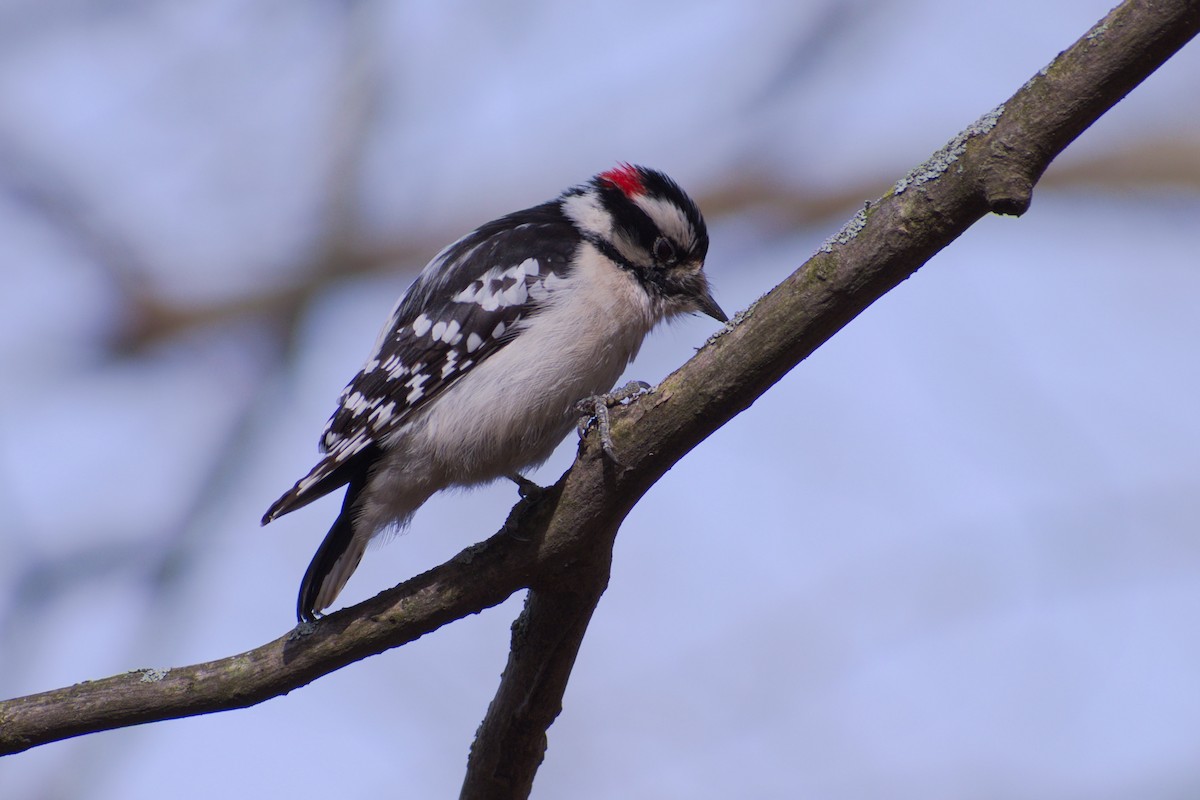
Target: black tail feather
{"type": "Point", "coordinates": [337, 546]}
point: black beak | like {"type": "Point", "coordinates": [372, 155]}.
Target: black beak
{"type": "Point", "coordinates": [705, 303]}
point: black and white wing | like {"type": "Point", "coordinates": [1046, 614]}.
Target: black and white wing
{"type": "Point", "coordinates": [464, 306]}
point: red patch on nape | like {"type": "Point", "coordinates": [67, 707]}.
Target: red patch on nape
{"type": "Point", "coordinates": [626, 178]}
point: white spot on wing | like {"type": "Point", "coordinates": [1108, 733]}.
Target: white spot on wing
{"type": "Point", "coordinates": [489, 300]}
{"type": "Point", "coordinates": [395, 367]}
{"type": "Point", "coordinates": [421, 325]}
{"type": "Point", "coordinates": [382, 415]}
{"type": "Point", "coordinates": [473, 342]}
{"type": "Point", "coordinates": [467, 295]}
{"type": "Point", "coordinates": [356, 403]}
{"type": "Point", "coordinates": [415, 383]}
{"type": "Point", "coordinates": [515, 295]}
{"type": "Point", "coordinates": [450, 366]}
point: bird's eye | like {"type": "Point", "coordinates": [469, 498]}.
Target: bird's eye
{"type": "Point", "coordinates": [664, 251]}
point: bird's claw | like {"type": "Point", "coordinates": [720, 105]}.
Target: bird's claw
{"type": "Point", "coordinates": [596, 408]}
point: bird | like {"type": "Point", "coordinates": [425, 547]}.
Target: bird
{"type": "Point", "coordinates": [478, 372]}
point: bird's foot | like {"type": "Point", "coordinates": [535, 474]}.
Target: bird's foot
{"type": "Point", "coordinates": [596, 408]}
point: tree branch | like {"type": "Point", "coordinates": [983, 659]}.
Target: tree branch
{"type": "Point", "coordinates": [511, 741]}
{"type": "Point", "coordinates": [560, 544]}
